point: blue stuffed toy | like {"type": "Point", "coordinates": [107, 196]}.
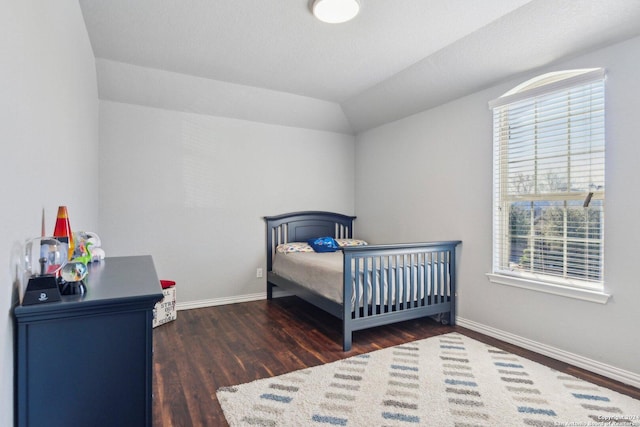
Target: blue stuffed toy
{"type": "Point", "coordinates": [323, 244]}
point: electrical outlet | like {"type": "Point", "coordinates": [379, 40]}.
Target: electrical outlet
{"type": "Point", "coordinates": [259, 273]}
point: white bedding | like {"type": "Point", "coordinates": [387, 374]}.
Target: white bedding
{"type": "Point", "coordinates": [322, 273]}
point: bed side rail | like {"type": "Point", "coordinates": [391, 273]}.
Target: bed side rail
{"type": "Point", "coordinates": [388, 279]}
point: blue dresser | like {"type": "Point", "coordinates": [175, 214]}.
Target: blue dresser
{"type": "Point", "coordinates": [87, 360]}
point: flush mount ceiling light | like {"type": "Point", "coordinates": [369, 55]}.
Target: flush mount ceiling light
{"type": "Point", "coordinates": [335, 11]}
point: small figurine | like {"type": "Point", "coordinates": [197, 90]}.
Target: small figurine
{"type": "Point", "coordinates": [84, 239]}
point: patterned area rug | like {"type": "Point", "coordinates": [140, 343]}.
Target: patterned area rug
{"type": "Point", "coordinates": [448, 380]}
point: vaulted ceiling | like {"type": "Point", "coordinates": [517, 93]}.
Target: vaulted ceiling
{"type": "Point", "coordinates": [272, 61]}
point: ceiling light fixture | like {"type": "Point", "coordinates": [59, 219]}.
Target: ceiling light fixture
{"type": "Point", "coordinates": [335, 11]}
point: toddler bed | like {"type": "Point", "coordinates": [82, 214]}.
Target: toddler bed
{"type": "Point", "coordinates": [384, 283]}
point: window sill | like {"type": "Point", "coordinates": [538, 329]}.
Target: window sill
{"type": "Point", "coordinates": [599, 297]}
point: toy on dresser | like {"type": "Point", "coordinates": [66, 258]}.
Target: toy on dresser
{"type": "Point", "coordinates": [88, 246]}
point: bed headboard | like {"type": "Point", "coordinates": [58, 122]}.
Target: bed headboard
{"type": "Point", "coordinates": [302, 226]}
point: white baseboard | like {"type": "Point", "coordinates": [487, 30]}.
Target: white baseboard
{"type": "Point", "coordinates": [600, 368]}
{"type": "Point", "coordinates": [228, 300]}
{"type": "Point", "coordinates": [220, 301]}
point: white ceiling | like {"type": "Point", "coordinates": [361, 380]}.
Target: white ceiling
{"type": "Point", "coordinates": [395, 59]}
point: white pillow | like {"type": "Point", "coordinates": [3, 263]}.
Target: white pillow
{"type": "Point", "coordinates": [291, 247]}
{"type": "Point", "coordinates": [350, 242]}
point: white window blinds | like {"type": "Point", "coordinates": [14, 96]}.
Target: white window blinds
{"type": "Point", "coordinates": [549, 151]}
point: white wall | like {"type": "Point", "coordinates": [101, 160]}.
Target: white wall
{"type": "Point", "coordinates": [48, 139]}
{"type": "Point", "coordinates": [429, 177]}
{"type": "Point", "coordinates": [133, 84]}
{"type": "Point", "coordinates": [191, 190]}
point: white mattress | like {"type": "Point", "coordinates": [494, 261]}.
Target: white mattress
{"type": "Point", "coordinates": [322, 273]}
{"type": "Point", "coordinates": [319, 272]}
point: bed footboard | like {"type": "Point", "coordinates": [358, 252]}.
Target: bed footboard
{"type": "Point", "coordinates": [392, 283]}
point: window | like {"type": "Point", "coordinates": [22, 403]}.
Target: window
{"type": "Point", "coordinates": [549, 189]}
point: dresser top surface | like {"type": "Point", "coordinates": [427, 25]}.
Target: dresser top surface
{"type": "Point", "coordinates": [114, 280]}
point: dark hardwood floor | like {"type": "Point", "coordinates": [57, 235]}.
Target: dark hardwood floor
{"type": "Point", "coordinates": [208, 348]}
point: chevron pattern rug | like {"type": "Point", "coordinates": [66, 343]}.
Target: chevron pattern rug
{"type": "Point", "coordinates": [448, 380]}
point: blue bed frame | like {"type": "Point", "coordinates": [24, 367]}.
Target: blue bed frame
{"type": "Point", "coordinates": [426, 269]}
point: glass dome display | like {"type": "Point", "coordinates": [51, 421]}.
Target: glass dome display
{"type": "Point", "coordinates": [44, 256]}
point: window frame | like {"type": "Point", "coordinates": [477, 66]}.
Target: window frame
{"type": "Point", "coordinates": [593, 291]}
